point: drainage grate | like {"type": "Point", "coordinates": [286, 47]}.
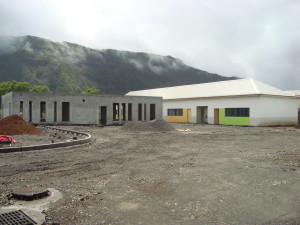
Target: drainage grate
{"type": "Point", "coordinates": [30, 194]}
{"type": "Point", "coordinates": [16, 218]}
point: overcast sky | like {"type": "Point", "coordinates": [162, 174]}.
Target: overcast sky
{"type": "Point", "coordinates": [245, 38]}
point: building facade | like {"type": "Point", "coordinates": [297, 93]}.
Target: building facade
{"type": "Point", "coordinates": [243, 102]}
{"type": "Point", "coordinates": [54, 108]}
{"type": "Point", "coordinates": [297, 94]}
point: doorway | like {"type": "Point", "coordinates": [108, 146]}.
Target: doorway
{"type": "Point", "coordinates": [116, 111]}
{"type": "Point", "coordinates": [30, 111]}
{"type": "Point", "coordinates": [55, 112]}
{"type": "Point", "coordinates": [123, 111]}
{"type": "Point", "coordinates": [103, 115]}
{"type": "Point", "coordinates": [42, 111]}
{"type": "Point", "coordinates": [65, 111]}
{"type": "Point", "coordinates": [216, 116]}
{"type": "Point", "coordinates": [152, 111]}
{"type": "Point", "coordinates": [202, 114]}
{"type": "Point", "coordinates": [129, 111]}
{"type": "Point", "coordinates": [140, 108]}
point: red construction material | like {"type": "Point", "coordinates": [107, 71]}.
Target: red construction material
{"type": "Point", "coordinates": [4, 138]}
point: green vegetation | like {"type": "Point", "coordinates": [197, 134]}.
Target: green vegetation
{"type": "Point", "coordinates": [39, 88]}
{"type": "Point", "coordinates": [8, 86]}
{"type": "Point", "coordinates": [91, 90]}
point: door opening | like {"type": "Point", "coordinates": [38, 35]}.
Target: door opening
{"type": "Point", "coordinates": [152, 111]}
{"type": "Point", "coordinates": [140, 108]}
{"type": "Point", "coordinates": [103, 115]}
{"type": "Point", "coordinates": [30, 111]}
{"type": "Point", "coordinates": [123, 111]}
{"type": "Point", "coordinates": [129, 111]}
{"type": "Point", "coordinates": [202, 114]}
{"type": "Point", "coordinates": [55, 112]}
{"type": "Point", "coordinates": [116, 111]}
{"type": "Point", "coordinates": [21, 109]}
{"type": "Point", "coordinates": [65, 111]}
{"type": "Point", "coordinates": [43, 111]}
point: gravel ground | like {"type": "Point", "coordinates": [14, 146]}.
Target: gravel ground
{"type": "Point", "coordinates": [48, 136]}
{"type": "Point", "coordinates": [208, 175]}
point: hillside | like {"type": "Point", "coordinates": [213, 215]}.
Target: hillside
{"type": "Point", "coordinates": [70, 68]}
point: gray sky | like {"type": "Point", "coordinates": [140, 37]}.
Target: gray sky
{"type": "Point", "coordinates": [246, 38]}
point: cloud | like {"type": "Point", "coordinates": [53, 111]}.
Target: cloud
{"type": "Point", "coordinates": [250, 38]}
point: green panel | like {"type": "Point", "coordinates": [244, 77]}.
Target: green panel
{"type": "Point", "coordinates": [238, 121]}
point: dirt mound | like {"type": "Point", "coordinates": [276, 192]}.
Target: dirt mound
{"type": "Point", "coordinates": [155, 125]}
{"type": "Point", "coordinates": [15, 125]}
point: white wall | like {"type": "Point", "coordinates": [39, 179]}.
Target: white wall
{"type": "Point", "coordinates": [278, 111]}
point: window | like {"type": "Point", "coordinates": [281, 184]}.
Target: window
{"type": "Point", "coordinates": [175, 112]}
{"type": "Point", "coordinates": [237, 112]}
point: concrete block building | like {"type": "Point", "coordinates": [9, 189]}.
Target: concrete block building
{"type": "Point", "coordinates": [54, 108]}
{"type": "Point", "coordinates": [244, 102]}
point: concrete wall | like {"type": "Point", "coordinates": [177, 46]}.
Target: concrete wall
{"type": "Point", "coordinates": [84, 109]}
{"type": "Point", "coordinates": [263, 110]}
{"type": "Point", "coordinates": [6, 105]}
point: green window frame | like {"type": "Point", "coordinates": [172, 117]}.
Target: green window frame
{"type": "Point", "coordinates": [237, 112]}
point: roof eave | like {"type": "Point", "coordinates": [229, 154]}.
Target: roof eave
{"type": "Point", "coordinates": [229, 96]}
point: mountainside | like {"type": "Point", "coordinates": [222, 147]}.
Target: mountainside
{"type": "Point", "coordinates": [70, 68]}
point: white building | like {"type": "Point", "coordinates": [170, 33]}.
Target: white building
{"type": "Point", "coordinates": [245, 102]}
{"type": "Point", "coordinates": [297, 94]}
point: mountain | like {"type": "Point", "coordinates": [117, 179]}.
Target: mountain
{"type": "Point", "coordinates": [70, 68]}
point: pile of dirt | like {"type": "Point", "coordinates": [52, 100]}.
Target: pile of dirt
{"type": "Point", "coordinates": [152, 126]}
{"type": "Point", "coordinates": [15, 125]}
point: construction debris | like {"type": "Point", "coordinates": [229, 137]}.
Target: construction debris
{"type": "Point", "coordinates": [15, 125]}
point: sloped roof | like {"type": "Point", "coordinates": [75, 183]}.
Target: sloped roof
{"type": "Point", "coordinates": [215, 89]}
{"type": "Point", "coordinates": [295, 92]}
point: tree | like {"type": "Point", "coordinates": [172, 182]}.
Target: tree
{"type": "Point", "coordinates": [39, 88]}
{"type": "Point", "coordinates": [16, 86]}
{"type": "Point", "coordinates": [91, 90]}
{"type": "Point", "coordinates": [8, 86]}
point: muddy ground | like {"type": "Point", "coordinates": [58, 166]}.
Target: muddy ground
{"type": "Point", "coordinates": [209, 175]}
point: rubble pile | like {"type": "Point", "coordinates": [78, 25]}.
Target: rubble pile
{"type": "Point", "coordinates": [152, 126]}
{"type": "Point", "coordinates": [15, 125]}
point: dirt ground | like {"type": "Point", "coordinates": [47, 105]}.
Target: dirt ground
{"type": "Point", "coordinates": [209, 175]}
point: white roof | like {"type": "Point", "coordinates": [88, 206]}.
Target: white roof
{"type": "Point", "coordinates": [215, 89]}
{"type": "Point", "coordinates": [295, 92]}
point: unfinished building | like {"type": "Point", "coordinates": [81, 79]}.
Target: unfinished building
{"type": "Point", "coordinates": [79, 109]}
